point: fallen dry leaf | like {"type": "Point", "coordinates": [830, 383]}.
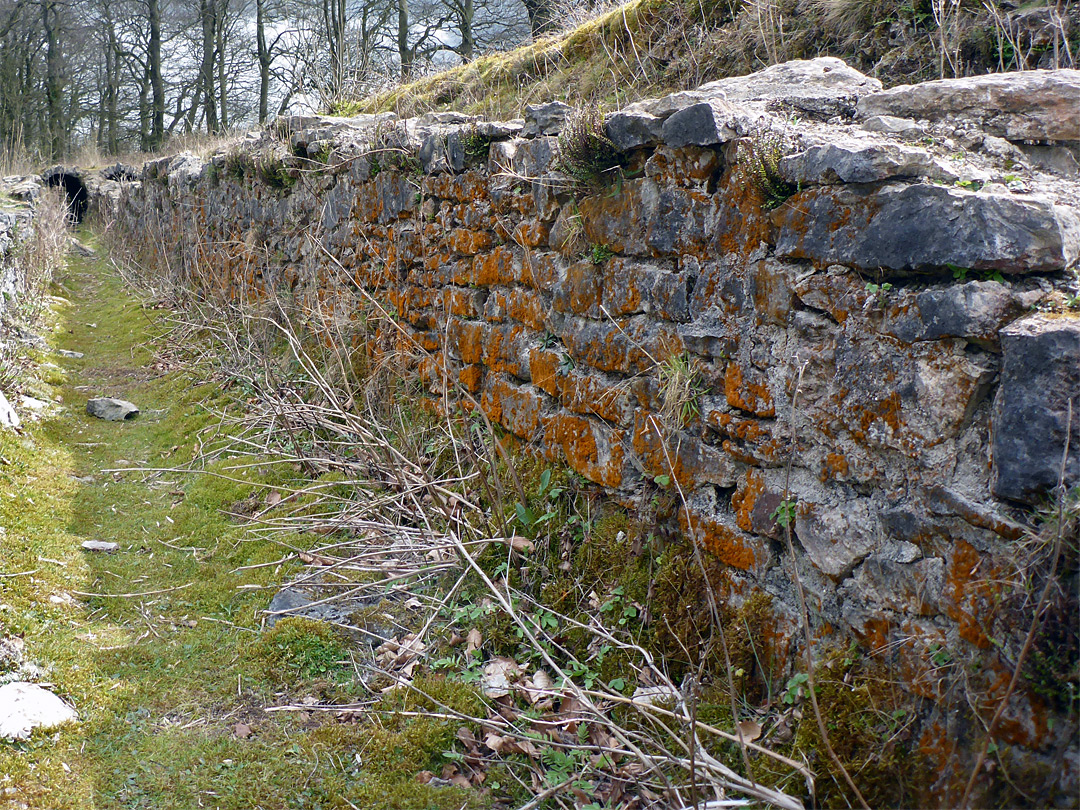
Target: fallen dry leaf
{"type": "Point", "coordinates": [274, 498]}
{"type": "Point", "coordinates": [499, 673]}
{"type": "Point", "coordinates": [522, 545]}
{"type": "Point", "coordinates": [242, 731]}
{"type": "Point", "coordinates": [749, 729]}
{"type": "Point", "coordinates": [538, 687]}
{"type": "Point", "coordinates": [496, 742]}
{"type": "Point", "coordinates": [473, 641]}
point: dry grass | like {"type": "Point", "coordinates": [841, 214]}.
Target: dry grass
{"type": "Point", "coordinates": [648, 47]}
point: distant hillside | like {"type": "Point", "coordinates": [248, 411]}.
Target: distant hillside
{"type": "Point", "coordinates": [649, 47]}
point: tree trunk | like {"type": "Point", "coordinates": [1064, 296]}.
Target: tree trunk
{"type": "Point", "coordinates": [208, 18]}
{"type": "Point", "coordinates": [110, 123]}
{"type": "Point", "coordinates": [404, 52]}
{"type": "Point", "coordinates": [157, 82]}
{"type": "Point", "coordinates": [263, 55]}
{"type": "Point", "coordinates": [541, 16]}
{"type": "Point", "coordinates": [468, 41]}
{"type": "Point", "coordinates": [54, 79]}
{"type": "Point", "coordinates": [219, 51]}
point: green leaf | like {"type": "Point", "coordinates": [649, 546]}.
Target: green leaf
{"type": "Point", "coordinates": [618, 684]}
{"type": "Point", "coordinates": [662, 480]}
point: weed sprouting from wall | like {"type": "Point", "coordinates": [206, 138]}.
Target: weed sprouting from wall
{"type": "Point", "coordinates": [585, 151]}
{"type": "Point", "coordinates": [681, 387]}
{"type": "Point", "coordinates": [760, 157]}
{"type": "Point", "coordinates": [475, 144]}
{"type": "Point", "coordinates": [238, 164]}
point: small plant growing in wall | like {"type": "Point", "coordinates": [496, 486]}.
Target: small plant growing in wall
{"type": "Point", "coordinates": [238, 165]}
{"type": "Point", "coordinates": [600, 254]}
{"type": "Point", "coordinates": [681, 388]}
{"type": "Point", "coordinates": [760, 157]}
{"type": "Point", "coordinates": [585, 151]}
{"type": "Point", "coordinates": [784, 514]}
{"type": "Point", "coordinates": [475, 144]}
{"type": "Point", "coordinates": [880, 292]}
{"type": "Point", "coordinates": [272, 171]}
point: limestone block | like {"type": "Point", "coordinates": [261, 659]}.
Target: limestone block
{"type": "Point", "coordinates": [823, 86]}
{"type": "Point", "coordinates": [712, 525]}
{"type": "Point", "coordinates": [1035, 105]}
{"type": "Point", "coordinates": [837, 536]}
{"type": "Point", "coordinates": [912, 587]}
{"type": "Point", "coordinates": [518, 408]}
{"type": "Point", "coordinates": [922, 227]}
{"type": "Point", "coordinates": [891, 125]}
{"type": "Point", "coordinates": [26, 706]}
{"type": "Point", "coordinates": [663, 449]}
{"type": "Point", "coordinates": [8, 416]}
{"type": "Point", "coordinates": [1040, 374]}
{"type": "Point", "coordinates": [707, 123]}
{"type": "Point", "coordinates": [111, 409]}
{"type": "Point", "coordinates": [588, 446]}
{"type": "Point", "coordinates": [580, 291]}
{"type": "Point", "coordinates": [630, 130]}
{"type": "Point", "coordinates": [976, 311]}
{"type": "Point", "coordinates": [854, 161]}
{"type": "Point", "coordinates": [545, 119]}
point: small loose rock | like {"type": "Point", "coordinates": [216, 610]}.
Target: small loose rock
{"type": "Point", "coordinates": [100, 545]}
{"type": "Point", "coordinates": [112, 410]}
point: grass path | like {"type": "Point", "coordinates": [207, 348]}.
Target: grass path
{"type": "Point", "coordinates": [161, 680]}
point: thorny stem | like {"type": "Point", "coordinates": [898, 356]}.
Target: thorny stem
{"type": "Point", "coordinates": [714, 609]}
{"type": "Point", "coordinates": [805, 614]}
{"type": "Point", "coordinates": [1036, 620]}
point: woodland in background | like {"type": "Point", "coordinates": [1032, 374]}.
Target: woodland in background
{"type": "Point", "coordinates": [131, 73]}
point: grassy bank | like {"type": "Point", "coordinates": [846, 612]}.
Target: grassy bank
{"type": "Point", "coordinates": [646, 48]}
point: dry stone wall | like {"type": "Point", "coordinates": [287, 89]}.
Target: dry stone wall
{"type": "Point", "coordinates": [892, 345]}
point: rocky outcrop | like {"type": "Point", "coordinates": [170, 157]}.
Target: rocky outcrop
{"type": "Point", "coordinates": [851, 302]}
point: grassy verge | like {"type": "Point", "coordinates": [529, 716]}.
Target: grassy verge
{"type": "Point", "coordinates": [170, 682]}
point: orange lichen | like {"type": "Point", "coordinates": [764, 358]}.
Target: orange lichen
{"type": "Point", "coordinates": [587, 446]}
{"type": "Point", "coordinates": [835, 467]}
{"type": "Point", "coordinates": [723, 542]}
{"type": "Point", "coordinates": [470, 378]}
{"type": "Point", "coordinates": [745, 498]}
{"type": "Point", "coordinates": [747, 395]}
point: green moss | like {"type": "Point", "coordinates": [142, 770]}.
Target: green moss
{"type": "Point", "coordinates": [864, 714]}
{"type": "Point", "coordinates": [301, 649]}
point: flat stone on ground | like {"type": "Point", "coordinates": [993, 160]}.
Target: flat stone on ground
{"type": "Point", "coordinates": [100, 545]}
{"type": "Point", "coordinates": [112, 410]}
